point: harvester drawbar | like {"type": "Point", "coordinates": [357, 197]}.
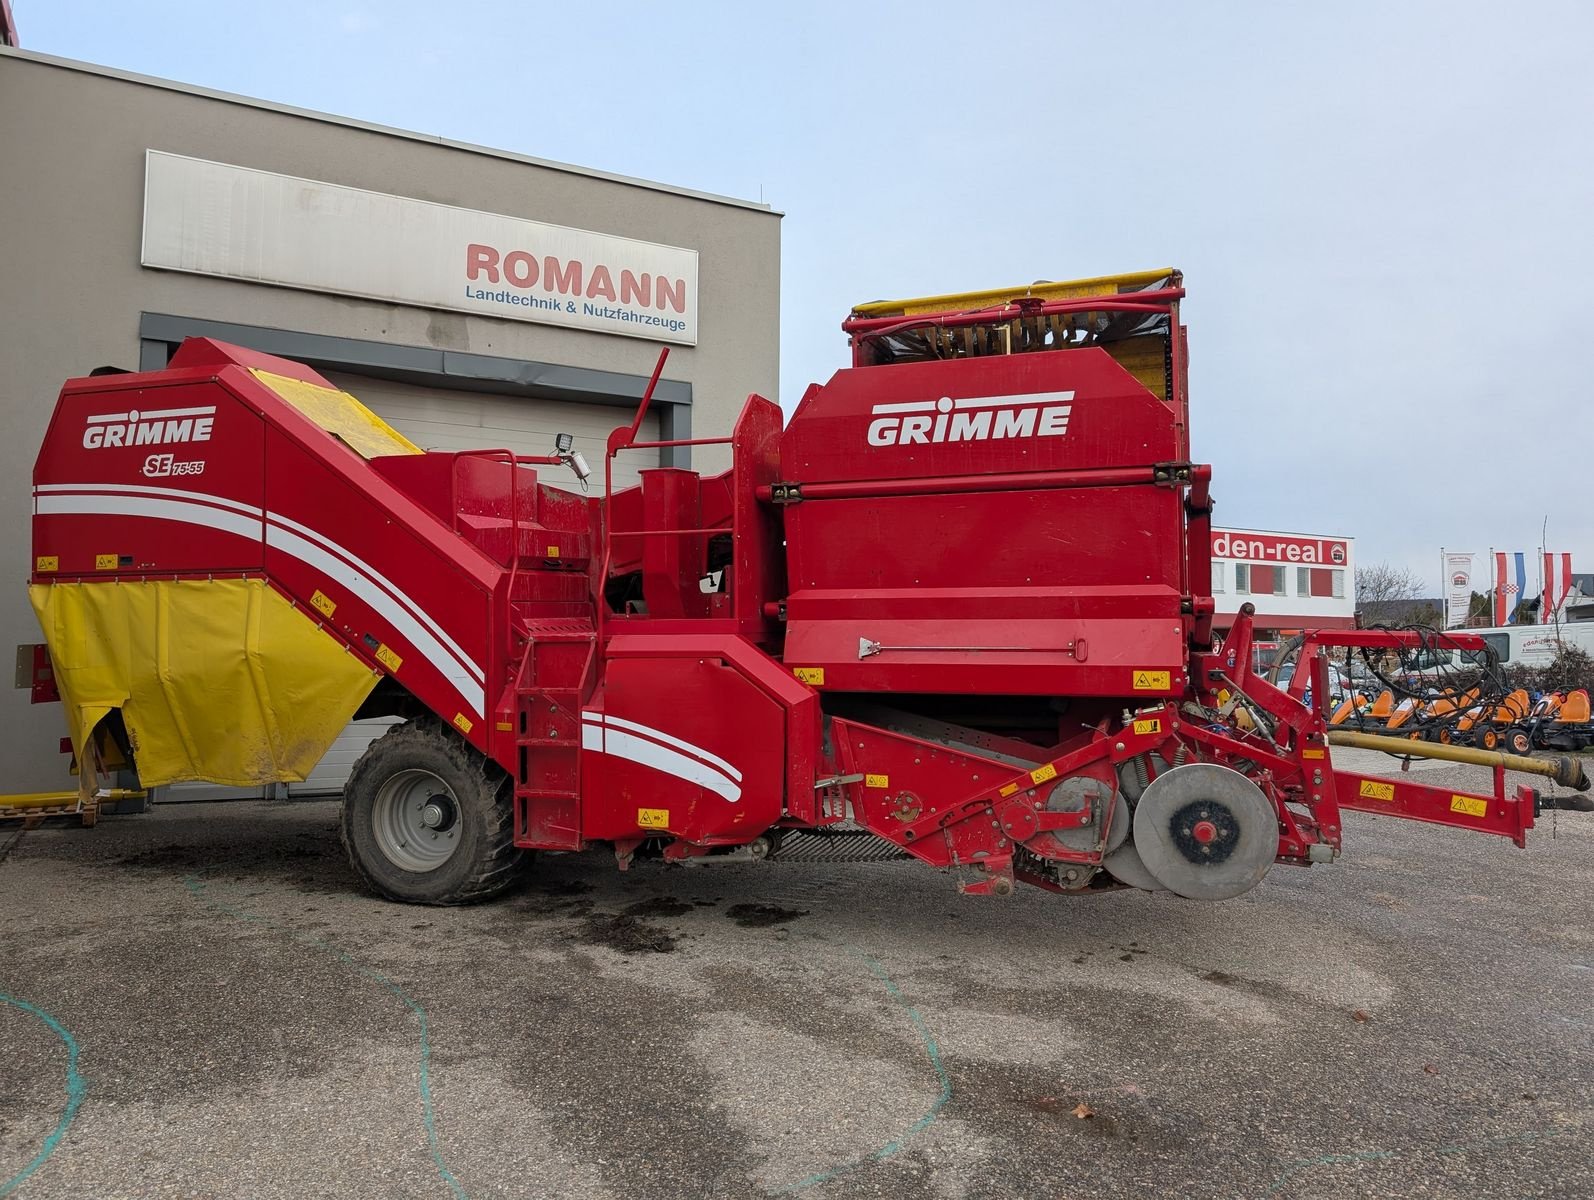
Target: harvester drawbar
{"type": "Point", "coordinates": [958, 608]}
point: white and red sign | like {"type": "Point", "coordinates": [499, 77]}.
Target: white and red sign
{"type": "Point", "coordinates": [1458, 588]}
{"type": "Point", "coordinates": [1254, 545]}
{"type": "Point", "coordinates": [970, 419]}
{"type": "Point", "coordinates": [212, 218]}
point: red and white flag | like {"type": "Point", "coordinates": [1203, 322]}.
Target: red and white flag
{"type": "Point", "coordinates": [1557, 583]}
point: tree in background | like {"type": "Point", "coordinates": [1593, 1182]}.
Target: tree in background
{"type": "Point", "coordinates": [1391, 595]}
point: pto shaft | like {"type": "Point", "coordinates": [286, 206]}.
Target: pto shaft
{"type": "Point", "coordinates": [1565, 770]}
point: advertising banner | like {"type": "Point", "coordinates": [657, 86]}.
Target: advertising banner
{"type": "Point", "coordinates": [214, 219]}
{"type": "Point", "coordinates": [1458, 588]}
{"type": "Point", "coordinates": [1253, 545]}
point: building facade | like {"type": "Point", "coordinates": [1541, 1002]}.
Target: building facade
{"type": "Point", "coordinates": [473, 298]}
{"type": "Point", "coordinates": [1295, 580]}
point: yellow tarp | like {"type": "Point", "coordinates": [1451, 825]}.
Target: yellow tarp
{"type": "Point", "coordinates": [1068, 289]}
{"type": "Point", "coordinates": [222, 681]}
{"type": "Point", "coordinates": [340, 414]}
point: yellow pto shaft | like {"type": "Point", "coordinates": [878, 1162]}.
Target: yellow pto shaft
{"type": "Point", "coordinates": [1565, 770]}
{"type": "Point", "coordinates": [62, 799]}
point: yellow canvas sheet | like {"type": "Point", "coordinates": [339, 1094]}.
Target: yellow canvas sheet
{"type": "Point", "coordinates": [1070, 289]}
{"type": "Point", "coordinates": [341, 415]}
{"type": "Point", "coordinates": [218, 680]}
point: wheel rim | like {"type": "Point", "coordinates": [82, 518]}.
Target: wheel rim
{"type": "Point", "coordinates": [416, 821]}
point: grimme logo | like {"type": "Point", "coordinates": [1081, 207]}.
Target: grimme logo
{"type": "Point", "coordinates": [970, 419]}
{"type": "Point", "coordinates": [158, 428]}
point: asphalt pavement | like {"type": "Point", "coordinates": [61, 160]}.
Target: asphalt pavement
{"type": "Point", "coordinates": [201, 1002]}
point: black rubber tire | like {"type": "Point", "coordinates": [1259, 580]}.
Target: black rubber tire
{"type": "Point", "coordinates": [1518, 741]}
{"type": "Point", "coordinates": [487, 861]}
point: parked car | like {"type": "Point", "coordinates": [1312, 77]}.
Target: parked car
{"type": "Point", "coordinates": [1338, 687]}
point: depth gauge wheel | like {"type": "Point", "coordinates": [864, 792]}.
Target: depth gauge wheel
{"type": "Point", "coordinates": [1206, 832]}
{"type": "Point", "coordinates": [428, 819]}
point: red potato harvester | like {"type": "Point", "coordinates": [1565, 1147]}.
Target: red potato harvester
{"type": "Point", "coordinates": [956, 609]}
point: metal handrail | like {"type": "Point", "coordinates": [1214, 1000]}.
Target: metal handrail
{"type": "Point", "coordinates": [625, 439]}
{"type": "Point", "coordinates": [515, 461]}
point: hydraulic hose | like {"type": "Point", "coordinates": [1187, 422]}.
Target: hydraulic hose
{"type": "Point", "coordinates": [1565, 770]}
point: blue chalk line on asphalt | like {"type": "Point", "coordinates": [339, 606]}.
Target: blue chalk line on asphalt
{"type": "Point", "coordinates": [197, 889]}
{"type": "Point", "coordinates": [76, 1088]}
{"type": "Point", "coordinates": [896, 1144]}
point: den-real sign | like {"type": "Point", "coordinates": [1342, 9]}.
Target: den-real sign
{"type": "Point", "coordinates": [215, 219]}
{"type": "Point", "coordinates": [1256, 545]}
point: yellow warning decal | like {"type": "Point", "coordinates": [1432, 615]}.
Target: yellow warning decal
{"type": "Point", "coordinates": [1007, 789]}
{"type": "Point", "coordinates": [1149, 725]}
{"type": "Point", "coordinates": [105, 562]}
{"type": "Point", "coordinates": [1377, 791]}
{"type": "Point", "coordinates": [47, 562]}
{"type": "Point", "coordinates": [1042, 774]}
{"type": "Point", "coordinates": [388, 659]}
{"type": "Point", "coordinates": [814, 676]}
{"type": "Point", "coordinates": [1152, 681]}
{"type": "Point", "coordinates": [553, 552]}
{"type": "Point", "coordinates": [653, 818]}
{"type": "Point", "coordinates": [323, 603]}
{"type": "Point", "coordinates": [1473, 806]}
{"type": "Point", "coordinates": [877, 781]}
{"type": "Point", "coordinates": [1311, 754]}
{"type": "Point", "coordinates": [462, 722]}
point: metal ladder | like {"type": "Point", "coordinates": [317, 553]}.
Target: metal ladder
{"type": "Point", "coordinates": [551, 684]}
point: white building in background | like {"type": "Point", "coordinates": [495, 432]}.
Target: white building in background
{"type": "Point", "coordinates": [1295, 580]}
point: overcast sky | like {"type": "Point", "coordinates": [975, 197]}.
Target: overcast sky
{"type": "Point", "coordinates": [1384, 211]}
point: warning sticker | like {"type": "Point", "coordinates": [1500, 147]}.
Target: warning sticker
{"type": "Point", "coordinates": [323, 603]}
{"type": "Point", "coordinates": [47, 562]}
{"type": "Point", "coordinates": [462, 722]}
{"type": "Point", "coordinates": [877, 781]}
{"type": "Point", "coordinates": [813, 676]}
{"type": "Point", "coordinates": [1152, 681]}
{"type": "Point", "coordinates": [1473, 806]}
{"type": "Point", "coordinates": [387, 658]}
{"type": "Point", "coordinates": [553, 552]}
{"type": "Point", "coordinates": [653, 818]}
{"type": "Point", "coordinates": [1377, 791]}
{"type": "Point", "coordinates": [105, 562]}
{"type": "Point", "coordinates": [1149, 725]}
{"type": "Point", "coordinates": [1042, 774]}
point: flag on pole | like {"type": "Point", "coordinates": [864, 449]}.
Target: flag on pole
{"type": "Point", "coordinates": [1458, 588]}
{"type": "Point", "coordinates": [1508, 595]}
{"type": "Point", "coordinates": [1557, 583]}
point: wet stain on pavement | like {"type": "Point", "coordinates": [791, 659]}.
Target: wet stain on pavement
{"type": "Point", "coordinates": [757, 916]}
{"type": "Point", "coordinates": [626, 934]}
